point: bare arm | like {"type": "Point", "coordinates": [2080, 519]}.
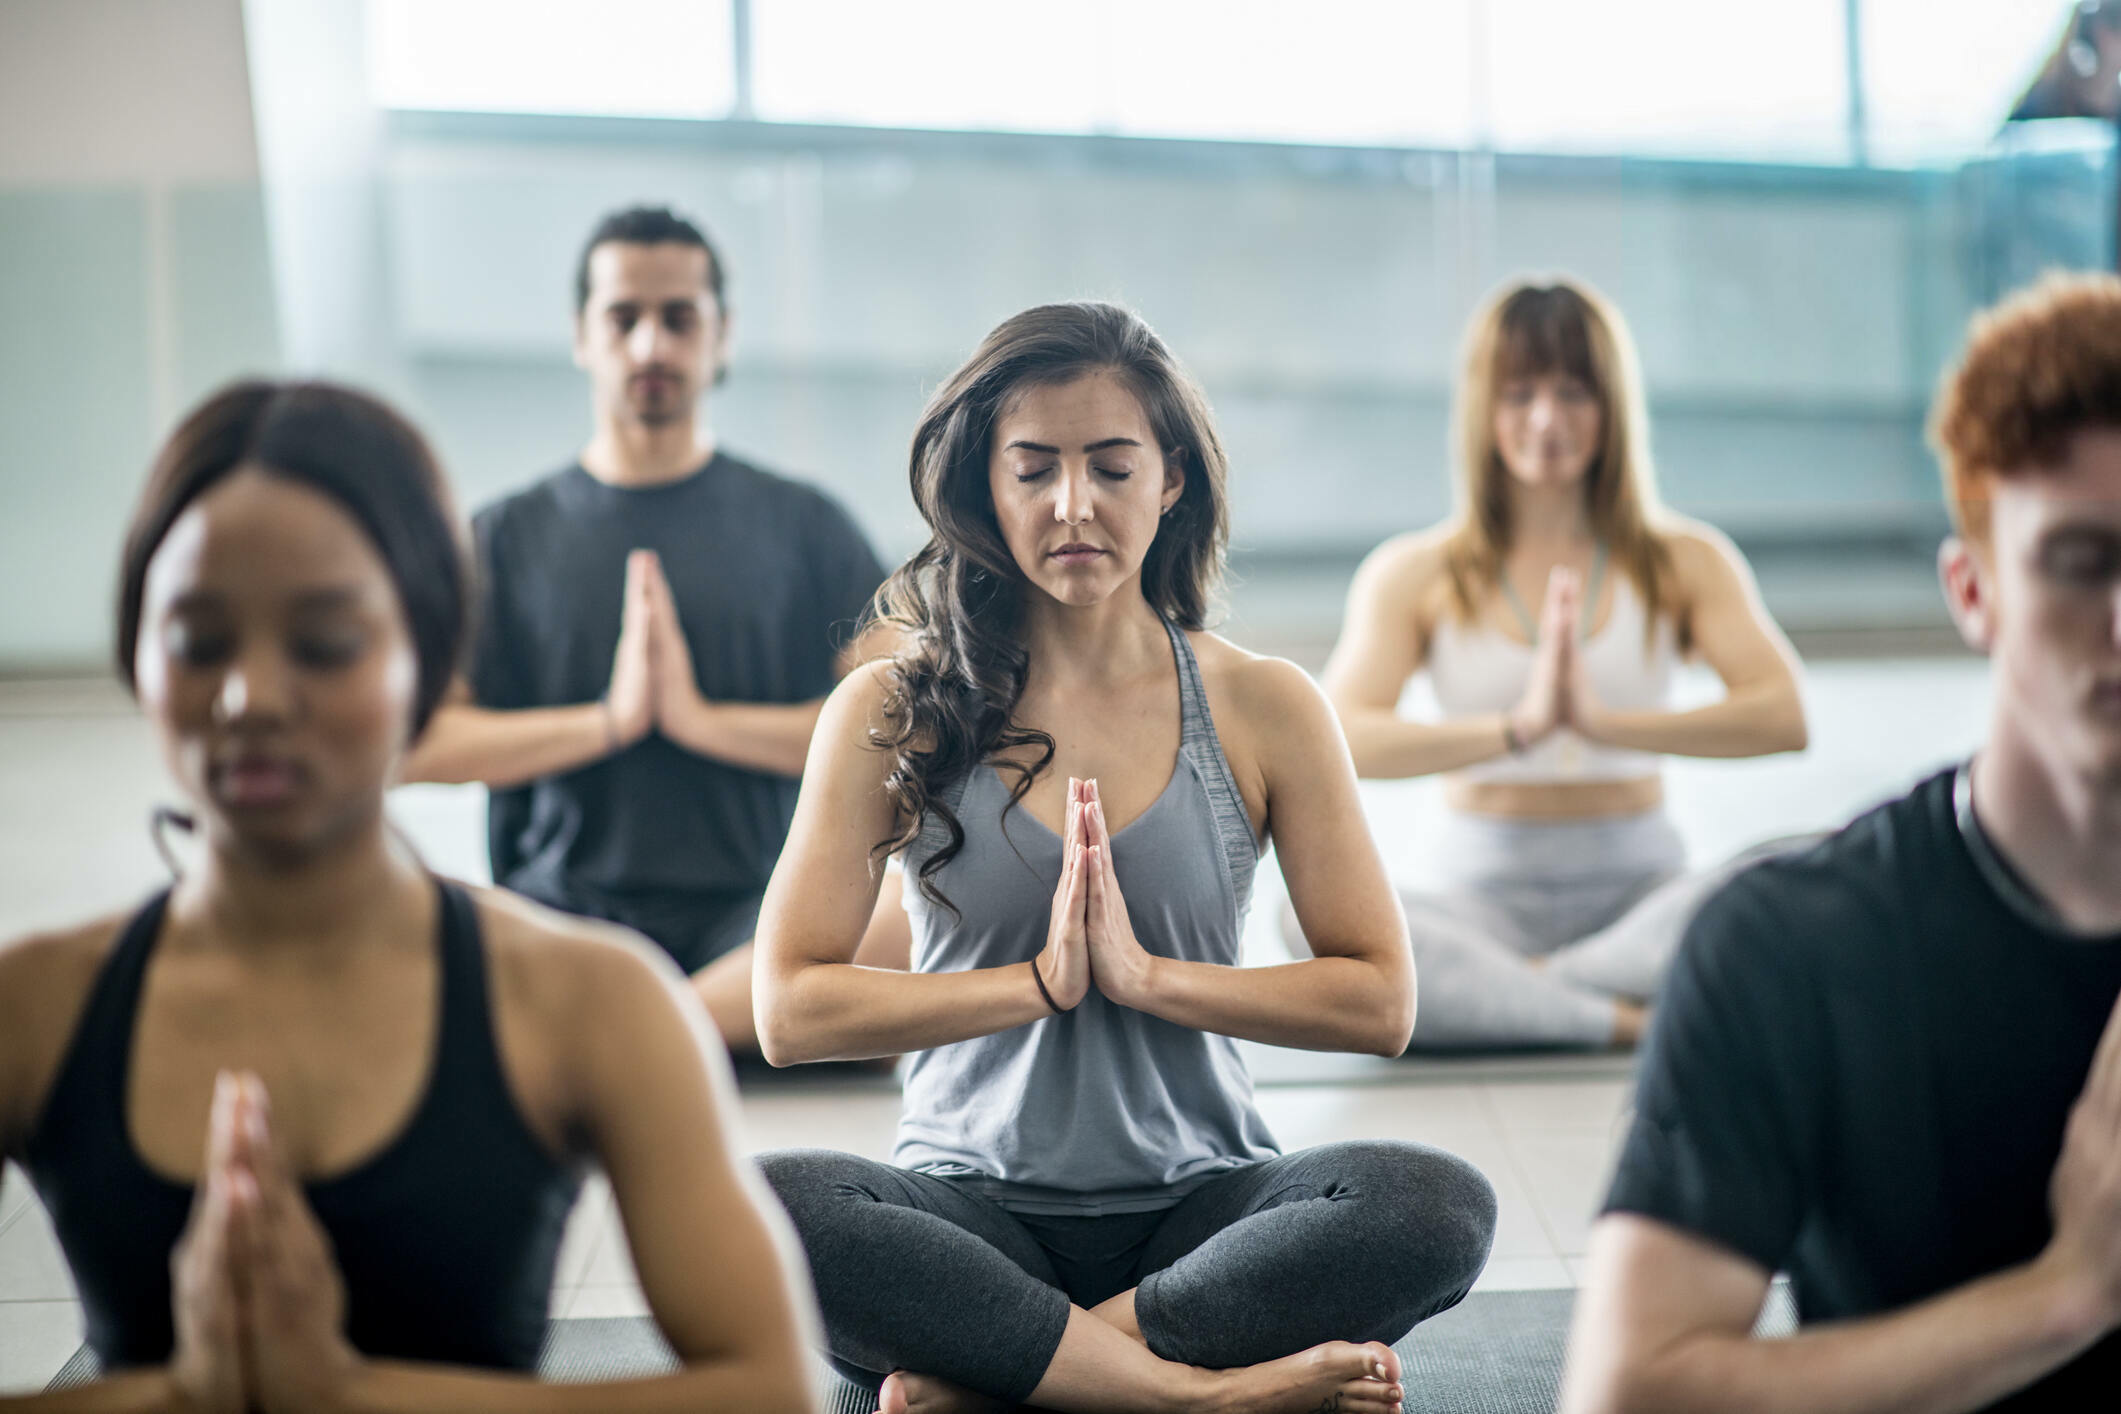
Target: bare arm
{"type": "Point", "coordinates": [773, 737]}
{"type": "Point", "coordinates": [1762, 710]}
{"type": "Point", "coordinates": [1357, 992]}
{"type": "Point", "coordinates": [466, 742]}
{"type": "Point", "coordinates": [812, 1001]}
{"type": "Point", "coordinates": [723, 1274]}
{"type": "Point", "coordinates": [1665, 1318]}
{"type": "Point", "coordinates": [1382, 643]}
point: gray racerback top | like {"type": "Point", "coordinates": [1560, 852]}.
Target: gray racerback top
{"type": "Point", "coordinates": [1104, 1109]}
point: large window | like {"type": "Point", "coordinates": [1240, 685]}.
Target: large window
{"type": "Point", "coordinates": [1939, 75]}
{"type": "Point", "coordinates": [1331, 71]}
{"type": "Point", "coordinates": [642, 58]}
{"type": "Point", "coordinates": [1673, 77]}
{"type": "Point", "coordinates": [1691, 77]}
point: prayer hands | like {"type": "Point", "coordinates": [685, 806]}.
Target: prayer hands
{"type": "Point", "coordinates": [1064, 963]}
{"type": "Point", "coordinates": [1551, 697]}
{"type": "Point", "coordinates": [652, 682]}
{"type": "Point", "coordinates": [260, 1307]}
{"type": "Point", "coordinates": [1090, 938]}
{"type": "Point", "coordinates": [2084, 1195]}
{"type": "Point", "coordinates": [631, 698]}
{"type": "Point", "coordinates": [1119, 964]}
{"type": "Point", "coordinates": [294, 1297]}
{"type": "Point", "coordinates": [677, 691]}
{"type": "Point", "coordinates": [206, 1367]}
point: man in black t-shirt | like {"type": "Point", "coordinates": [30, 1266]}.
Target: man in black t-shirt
{"type": "Point", "coordinates": [1891, 1065]}
{"type": "Point", "coordinates": [660, 623]}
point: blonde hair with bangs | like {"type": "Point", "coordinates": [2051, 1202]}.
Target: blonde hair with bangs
{"type": "Point", "coordinates": [1526, 329]}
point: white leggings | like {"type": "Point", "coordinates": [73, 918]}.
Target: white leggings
{"type": "Point", "coordinates": [1600, 904]}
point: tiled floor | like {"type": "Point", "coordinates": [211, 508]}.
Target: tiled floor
{"type": "Point", "coordinates": [78, 775]}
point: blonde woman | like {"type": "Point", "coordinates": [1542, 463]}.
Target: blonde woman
{"type": "Point", "coordinates": [1550, 612]}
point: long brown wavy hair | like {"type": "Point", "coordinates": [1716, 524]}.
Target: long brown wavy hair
{"type": "Point", "coordinates": [1526, 330]}
{"type": "Point", "coordinates": [958, 604]}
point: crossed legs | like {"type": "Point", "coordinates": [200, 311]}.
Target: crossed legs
{"type": "Point", "coordinates": [1277, 1286]}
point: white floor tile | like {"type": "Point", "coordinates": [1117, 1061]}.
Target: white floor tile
{"type": "Point", "coordinates": [1443, 1115]}
{"type": "Point", "coordinates": [15, 1194]}
{"type": "Point", "coordinates": [31, 1267]}
{"type": "Point", "coordinates": [617, 1299]}
{"type": "Point", "coordinates": [1541, 1107]}
{"type": "Point", "coordinates": [586, 1227]}
{"type": "Point", "coordinates": [611, 1264]}
{"type": "Point", "coordinates": [861, 1122]}
{"type": "Point", "coordinates": [36, 1338]}
{"type": "Point", "coordinates": [1566, 1176]}
{"type": "Point", "coordinates": [1524, 1274]}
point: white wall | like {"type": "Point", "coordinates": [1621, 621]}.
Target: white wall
{"type": "Point", "coordinates": [134, 279]}
{"type": "Point", "coordinates": [1782, 315]}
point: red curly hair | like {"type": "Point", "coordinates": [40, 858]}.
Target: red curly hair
{"type": "Point", "coordinates": [2038, 367]}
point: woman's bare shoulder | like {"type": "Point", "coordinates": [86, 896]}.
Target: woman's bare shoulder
{"type": "Point", "coordinates": [72, 953]}
{"type": "Point", "coordinates": [558, 965]}
{"type": "Point", "coordinates": [1263, 693]}
{"type": "Point", "coordinates": [1411, 561]}
{"type": "Point", "coordinates": [1694, 545]}
{"type": "Point", "coordinates": [45, 980]}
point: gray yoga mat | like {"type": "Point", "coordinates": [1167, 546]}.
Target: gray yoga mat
{"type": "Point", "coordinates": [1497, 1352]}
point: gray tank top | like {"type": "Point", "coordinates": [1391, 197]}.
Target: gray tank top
{"type": "Point", "coordinates": [1105, 1109]}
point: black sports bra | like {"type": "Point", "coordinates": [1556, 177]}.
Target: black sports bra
{"type": "Point", "coordinates": [446, 1238]}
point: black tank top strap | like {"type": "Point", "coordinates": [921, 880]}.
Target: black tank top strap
{"type": "Point", "coordinates": [469, 1077]}
{"type": "Point", "coordinates": [467, 1052]}
{"type": "Point", "coordinates": [86, 1101]}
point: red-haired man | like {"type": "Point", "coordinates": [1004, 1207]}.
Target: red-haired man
{"type": "Point", "coordinates": [1891, 1065]}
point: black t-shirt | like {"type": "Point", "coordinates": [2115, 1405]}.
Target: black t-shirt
{"type": "Point", "coordinates": [770, 579]}
{"type": "Point", "coordinates": [1860, 1071]}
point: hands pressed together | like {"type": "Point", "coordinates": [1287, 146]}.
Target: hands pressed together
{"type": "Point", "coordinates": [2084, 1193]}
{"type": "Point", "coordinates": [1559, 692]}
{"type": "Point", "coordinates": [652, 683]}
{"type": "Point", "coordinates": [1090, 940]}
{"type": "Point", "coordinates": [259, 1306]}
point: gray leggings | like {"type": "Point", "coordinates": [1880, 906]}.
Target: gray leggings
{"type": "Point", "coordinates": [1352, 1241]}
{"type": "Point", "coordinates": [1546, 923]}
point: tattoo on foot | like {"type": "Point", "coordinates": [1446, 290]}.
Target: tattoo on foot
{"type": "Point", "coordinates": [1330, 1406]}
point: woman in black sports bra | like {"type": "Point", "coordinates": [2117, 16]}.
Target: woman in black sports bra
{"type": "Point", "coordinates": [441, 1063]}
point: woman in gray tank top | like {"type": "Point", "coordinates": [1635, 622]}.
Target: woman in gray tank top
{"type": "Point", "coordinates": [1084, 1208]}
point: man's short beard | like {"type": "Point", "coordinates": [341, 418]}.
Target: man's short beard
{"type": "Point", "coordinates": [658, 412]}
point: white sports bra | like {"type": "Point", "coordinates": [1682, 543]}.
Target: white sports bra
{"type": "Point", "coordinates": [1478, 671]}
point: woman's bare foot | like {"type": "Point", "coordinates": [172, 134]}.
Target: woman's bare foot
{"type": "Point", "coordinates": [1630, 1021]}
{"type": "Point", "coordinates": [907, 1393]}
{"type": "Point", "coordinates": [1335, 1378]}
